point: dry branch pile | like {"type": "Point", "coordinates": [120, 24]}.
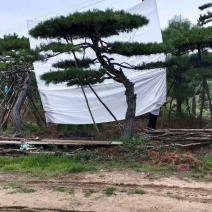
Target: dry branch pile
{"type": "Point", "coordinates": [181, 137]}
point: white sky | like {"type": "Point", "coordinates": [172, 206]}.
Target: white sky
{"type": "Point", "coordinates": [14, 13]}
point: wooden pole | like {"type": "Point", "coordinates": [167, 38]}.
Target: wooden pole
{"type": "Point", "coordinates": [76, 64]}
{"type": "Point", "coordinates": [90, 109]}
{"type": "Point", "coordinates": [106, 107]}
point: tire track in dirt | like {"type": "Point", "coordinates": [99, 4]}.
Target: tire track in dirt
{"type": "Point", "coordinates": [202, 195]}
{"type": "Point", "coordinates": [161, 193]}
{"type": "Point", "coordinates": [20, 208]}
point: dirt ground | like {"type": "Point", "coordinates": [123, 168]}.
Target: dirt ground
{"type": "Point", "coordinates": [132, 191]}
{"type": "Point", "coordinates": [88, 193]}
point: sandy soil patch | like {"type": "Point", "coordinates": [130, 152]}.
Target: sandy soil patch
{"type": "Point", "coordinates": [87, 192]}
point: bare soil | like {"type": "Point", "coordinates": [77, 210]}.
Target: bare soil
{"type": "Point", "coordinates": [162, 193]}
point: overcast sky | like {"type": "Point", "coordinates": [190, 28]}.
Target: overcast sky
{"type": "Point", "coordinates": [14, 13]}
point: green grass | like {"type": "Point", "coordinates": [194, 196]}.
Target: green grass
{"type": "Point", "coordinates": [141, 167]}
{"type": "Point", "coordinates": [34, 128]}
{"type": "Point", "coordinates": [149, 168]}
{"type": "Point", "coordinates": [139, 191]}
{"type": "Point", "coordinates": [20, 188]}
{"type": "Point", "coordinates": [64, 189]}
{"type": "Point", "coordinates": [45, 165]}
{"type": "Point", "coordinates": [110, 191]}
{"type": "Point", "coordinates": [48, 166]}
{"type": "Point", "coordinates": [89, 192]}
{"type": "Point", "coordinates": [207, 160]}
{"type": "Point", "coordinates": [60, 189]}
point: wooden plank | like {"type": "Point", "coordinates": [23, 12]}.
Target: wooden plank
{"type": "Point", "coordinates": [64, 142]}
{"type": "Point", "coordinates": [75, 141]}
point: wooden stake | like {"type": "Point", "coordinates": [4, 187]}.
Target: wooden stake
{"type": "Point", "coordinates": [90, 109]}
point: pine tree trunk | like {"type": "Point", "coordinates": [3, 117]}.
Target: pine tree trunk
{"type": "Point", "coordinates": [170, 110]}
{"type": "Point", "coordinates": [179, 107]}
{"type": "Point", "coordinates": [209, 97]}
{"type": "Point", "coordinates": [20, 102]}
{"type": "Point", "coordinates": [194, 106]}
{"type": "Point", "coordinates": [178, 85]}
{"type": "Point", "coordinates": [131, 108]}
{"type": "Point", "coordinates": [202, 103]}
{"type": "Point", "coordinates": [129, 92]}
{"type": "Point", "coordinates": [188, 107]}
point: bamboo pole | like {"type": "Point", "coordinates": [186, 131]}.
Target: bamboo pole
{"type": "Point", "coordinates": [86, 99]}
{"type": "Point", "coordinates": [104, 104]}
{"type": "Point", "coordinates": [75, 58]}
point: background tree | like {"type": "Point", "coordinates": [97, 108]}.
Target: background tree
{"type": "Point", "coordinates": [16, 74]}
{"type": "Point", "coordinates": [94, 27]}
{"type": "Point", "coordinates": [178, 60]}
{"type": "Point", "coordinates": [190, 59]}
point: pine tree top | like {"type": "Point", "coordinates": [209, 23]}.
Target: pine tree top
{"type": "Point", "coordinates": [185, 37]}
{"type": "Point", "coordinates": [85, 24]}
{"type": "Point", "coordinates": [205, 6]}
{"type": "Point", "coordinates": [206, 18]}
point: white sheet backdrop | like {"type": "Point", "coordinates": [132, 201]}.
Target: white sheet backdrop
{"type": "Point", "coordinates": [66, 105]}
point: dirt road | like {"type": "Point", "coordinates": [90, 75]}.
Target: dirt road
{"type": "Point", "coordinates": [105, 191]}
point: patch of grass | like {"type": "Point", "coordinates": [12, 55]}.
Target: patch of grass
{"type": "Point", "coordinates": [89, 192]}
{"type": "Point", "coordinates": [139, 191]}
{"type": "Point", "coordinates": [15, 186]}
{"type": "Point", "coordinates": [209, 179]}
{"type": "Point", "coordinates": [45, 165]}
{"type": "Point", "coordinates": [28, 190]}
{"type": "Point", "coordinates": [149, 168]}
{"type": "Point", "coordinates": [48, 165]}
{"type": "Point", "coordinates": [66, 127]}
{"type": "Point", "coordinates": [188, 175]}
{"type": "Point", "coordinates": [202, 171]}
{"type": "Point", "coordinates": [60, 189]}
{"type": "Point", "coordinates": [70, 190]}
{"type": "Point", "coordinates": [10, 130]}
{"type": "Point", "coordinates": [205, 170]}
{"type": "Point", "coordinates": [64, 189]}
{"type": "Point", "coordinates": [20, 188]}
{"type": "Point", "coordinates": [207, 160]}
{"type": "Point", "coordinates": [34, 128]}
{"type": "Point", "coordinates": [110, 191]}
{"type": "Point", "coordinates": [141, 167]}
{"type": "Point", "coordinates": [134, 141]}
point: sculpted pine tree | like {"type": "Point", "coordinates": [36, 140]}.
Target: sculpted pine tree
{"type": "Point", "coordinates": [88, 30]}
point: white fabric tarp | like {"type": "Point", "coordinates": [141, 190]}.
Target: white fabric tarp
{"type": "Point", "coordinates": [67, 105]}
